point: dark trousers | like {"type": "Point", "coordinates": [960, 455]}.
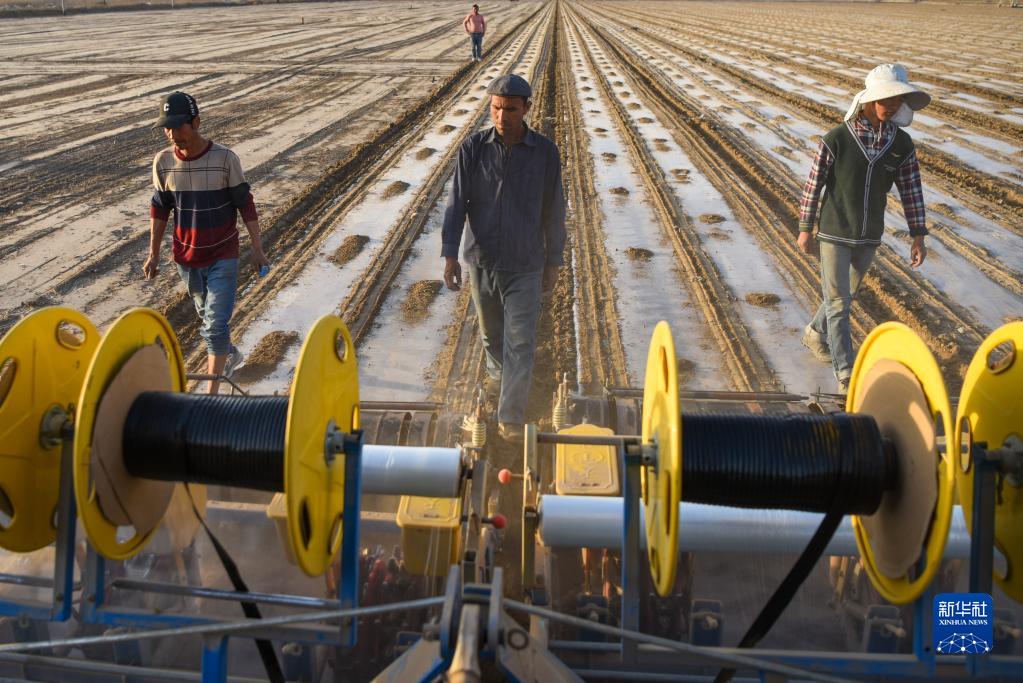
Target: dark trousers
{"type": "Point", "coordinates": [507, 307]}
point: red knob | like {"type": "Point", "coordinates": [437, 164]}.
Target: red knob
{"type": "Point", "coordinates": [499, 521]}
{"type": "Point", "coordinates": [504, 476]}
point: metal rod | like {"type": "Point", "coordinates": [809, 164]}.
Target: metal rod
{"type": "Point", "coordinates": [610, 674]}
{"type": "Point", "coordinates": [707, 395]}
{"type": "Point", "coordinates": [228, 627]}
{"type": "Point", "coordinates": [218, 594]}
{"type": "Point", "coordinates": [205, 377]}
{"type": "Point", "coordinates": [586, 440]}
{"type": "Point", "coordinates": [629, 534]}
{"type": "Point", "coordinates": [400, 405]}
{"type": "Point", "coordinates": [67, 515]}
{"type": "Point", "coordinates": [122, 672]}
{"type": "Point", "coordinates": [31, 581]}
{"type": "Point", "coordinates": [708, 655]}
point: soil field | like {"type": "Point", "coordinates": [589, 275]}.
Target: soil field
{"type": "Point", "coordinates": [686, 131]}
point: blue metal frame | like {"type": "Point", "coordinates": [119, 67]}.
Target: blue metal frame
{"type": "Point", "coordinates": [64, 563]}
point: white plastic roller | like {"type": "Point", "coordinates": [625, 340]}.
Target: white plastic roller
{"type": "Point", "coordinates": [596, 522]}
{"type": "Point", "coordinates": [407, 471]}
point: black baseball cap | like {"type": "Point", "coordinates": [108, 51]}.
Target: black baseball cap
{"type": "Point", "coordinates": [176, 109]}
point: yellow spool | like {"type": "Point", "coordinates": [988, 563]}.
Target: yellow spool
{"type": "Point", "coordinates": [662, 482]}
{"type": "Point", "coordinates": [895, 342]}
{"type": "Point", "coordinates": [43, 363]}
{"type": "Point", "coordinates": [135, 329]}
{"type": "Point", "coordinates": [325, 390]}
{"type": "Point", "coordinates": [991, 409]}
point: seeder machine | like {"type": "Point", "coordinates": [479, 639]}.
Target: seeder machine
{"type": "Point", "coordinates": [151, 534]}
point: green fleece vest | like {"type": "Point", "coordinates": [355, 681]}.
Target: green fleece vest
{"type": "Point", "coordinates": [856, 190]}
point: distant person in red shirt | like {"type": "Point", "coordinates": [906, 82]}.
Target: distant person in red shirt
{"type": "Point", "coordinates": [203, 185]}
{"type": "Point", "coordinates": [475, 25]}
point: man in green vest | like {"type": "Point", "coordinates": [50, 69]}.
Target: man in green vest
{"type": "Point", "coordinates": [854, 169]}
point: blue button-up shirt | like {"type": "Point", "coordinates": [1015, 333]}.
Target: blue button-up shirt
{"type": "Point", "coordinates": [514, 201]}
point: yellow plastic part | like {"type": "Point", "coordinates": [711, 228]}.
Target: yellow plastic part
{"type": "Point", "coordinates": [583, 469]}
{"type": "Point", "coordinates": [42, 366]}
{"type": "Point", "coordinates": [325, 391]}
{"type": "Point", "coordinates": [430, 534]}
{"type": "Point", "coordinates": [894, 341]}
{"type": "Point", "coordinates": [662, 483]}
{"type": "Point", "coordinates": [991, 403]}
{"type": "Point", "coordinates": [137, 328]}
{"type": "Point", "coordinates": [277, 511]}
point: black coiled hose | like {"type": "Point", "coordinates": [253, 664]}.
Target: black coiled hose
{"type": "Point", "coordinates": [204, 439]}
{"type": "Point", "coordinates": [814, 463]}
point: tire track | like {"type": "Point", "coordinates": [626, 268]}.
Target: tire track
{"type": "Point", "coordinates": [601, 349]}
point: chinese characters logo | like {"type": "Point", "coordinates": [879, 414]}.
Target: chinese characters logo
{"type": "Point", "coordinates": [963, 623]}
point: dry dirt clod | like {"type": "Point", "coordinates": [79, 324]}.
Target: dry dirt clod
{"type": "Point", "coordinates": [447, 128]}
{"type": "Point", "coordinates": [619, 191]}
{"type": "Point", "coordinates": [425, 152]}
{"type": "Point", "coordinates": [417, 303]}
{"type": "Point", "coordinates": [943, 209]}
{"type": "Point", "coordinates": [349, 249]}
{"type": "Point", "coordinates": [394, 189]}
{"type": "Point", "coordinates": [609, 156]}
{"type": "Point", "coordinates": [711, 218]}
{"type": "Point", "coordinates": [763, 299]}
{"type": "Point", "coordinates": [266, 356]}
{"type": "Point", "coordinates": [639, 254]}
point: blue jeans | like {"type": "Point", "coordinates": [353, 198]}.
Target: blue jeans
{"type": "Point", "coordinates": [477, 45]}
{"type": "Point", "coordinates": [507, 307]}
{"type": "Point", "coordinates": [842, 270]}
{"type": "Point", "coordinates": [212, 290]}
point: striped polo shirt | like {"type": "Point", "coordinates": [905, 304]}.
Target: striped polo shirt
{"type": "Point", "coordinates": [206, 192]}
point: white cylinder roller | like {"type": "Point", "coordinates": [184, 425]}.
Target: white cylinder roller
{"type": "Point", "coordinates": [596, 522]}
{"type": "Point", "coordinates": [408, 471]}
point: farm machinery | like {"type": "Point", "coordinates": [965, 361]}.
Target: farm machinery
{"type": "Point", "coordinates": [402, 542]}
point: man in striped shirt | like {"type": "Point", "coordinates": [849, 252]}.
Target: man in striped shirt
{"type": "Point", "coordinates": [855, 167]}
{"type": "Point", "coordinates": [203, 184]}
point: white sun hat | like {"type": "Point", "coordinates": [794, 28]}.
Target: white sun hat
{"type": "Point", "coordinates": [888, 80]}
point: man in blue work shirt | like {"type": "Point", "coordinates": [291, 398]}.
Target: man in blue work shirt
{"type": "Point", "coordinates": [508, 183]}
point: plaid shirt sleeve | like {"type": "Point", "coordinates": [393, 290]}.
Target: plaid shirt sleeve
{"type": "Point", "coordinates": [912, 194]}
{"type": "Point", "coordinates": [822, 162]}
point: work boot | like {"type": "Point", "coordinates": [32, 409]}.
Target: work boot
{"type": "Point", "coordinates": [511, 432]}
{"type": "Point", "coordinates": [492, 389]}
{"type": "Point", "coordinates": [818, 347]}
